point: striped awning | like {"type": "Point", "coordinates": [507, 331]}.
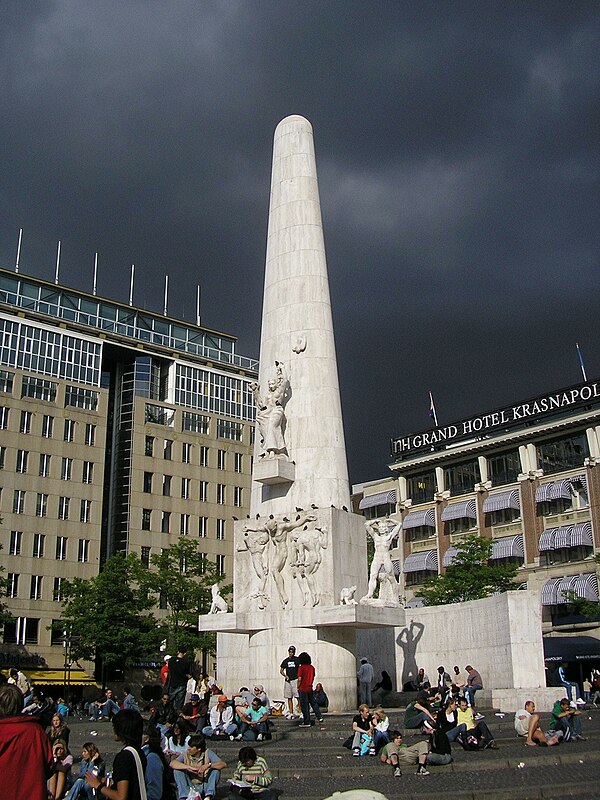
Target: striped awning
{"type": "Point", "coordinates": [582, 479]}
{"type": "Point", "coordinates": [449, 556]}
{"type": "Point", "coordinates": [508, 547]}
{"type": "Point", "coordinates": [415, 602]}
{"type": "Point", "coordinates": [554, 491]}
{"type": "Point", "coordinates": [466, 508]}
{"type": "Point", "coordinates": [582, 535]}
{"type": "Point", "coordinates": [418, 562]}
{"type": "Point", "coordinates": [584, 586]}
{"type": "Point", "coordinates": [547, 540]}
{"type": "Point", "coordinates": [379, 499]}
{"type": "Point", "coordinates": [502, 500]}
{"type": "Point", "coordinates": [418, 518]}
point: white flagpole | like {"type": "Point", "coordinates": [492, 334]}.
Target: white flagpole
{"type": "Point", "coordinates": [131, 285]}
{"type": "Point", "coordinates": [57, 263]}
{"type": "Point", "coordinates": [95, 274]}
{"type": "Point", "coordinates": [432, 410]}
{"type": "Point", "coordinates": [198, 305]}
{"type": "Point", "coordinates": [19, 250]}
{"type": "Point", "coordinates": [166, 294]}
{"type": "Point", "coordinates": [581, 361]}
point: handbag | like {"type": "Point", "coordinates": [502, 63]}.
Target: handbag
{"type": "Point", "coordinates": [140, 771]}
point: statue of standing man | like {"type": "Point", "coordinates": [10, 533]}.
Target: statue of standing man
{"type": "Point", "coordinates": [270, 416]}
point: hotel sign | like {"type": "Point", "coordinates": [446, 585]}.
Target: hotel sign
{"type": "Point", "coordinates": [503, 418]}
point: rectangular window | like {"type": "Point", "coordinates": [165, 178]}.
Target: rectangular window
{"type": "Point", "coordinates": [22, 630]}
{"type": "Point", "coordinates": [421, 488]}
{"type": "Point", "coordinates": [504, 467]}
{"type": "Point", "coordinates": [221, 455]}
{"type": "Point", "coordinates": [12, 584]}
{"type": "Point", "coordinates": [78, 397]}
{"type": "Point", "coordinates": [63, 507]}
{"type": "Point", "coordinates": [203, 491]}
{"type": "Point", "coordinates": [202, 527]}
{"type": "Point", "coordinates": [90, 434]}
{"type": "Point", "coordinates": [221, 493]}
{"type": "Point", "coordinates": [184, 525]}
{"type": "Point", "coordinates": [38, 389]}
{"type": "Point", "coordinates": [38, 545]}
{"type": "Point", "coordinates": [158, 414]}
{"type": "Point", "coordinates": [558, 454]}
{"type": "Point", "coordinates": [61, 548]}
{"type": "Point", "coordinates": [220, 528]}
{"type": "Point", "coordinates": [66, 469]}
{"type": "Point", "coordinates": [47, 426]}
{"type": "Point", "coordinates": [149, 446]}
{"type": "Point", "coordinates": [57, 593]}
{"type": "Point", "coordinates": [35, 592]}
{"type": "Point", "coordinates": [44, 465]}
{"type": "Point", "coordinates": [22, 459]}
{"type": "Point", "coordinates": [148, 482]}
{"type": "Point", "coordinates": [221, 566]}
{"type": "Point", "coordinates": [146, 519]}
{"type": "Point", "coordinates": [19, 501]}
{"type": "Point", "coordinates": [186, 453]}
{"type": "Point", "coordinates": [195, 423]}
{"type": "Point", "coordinates": [203, 456]}
{"type": "Point", "coordinates": [165, 523]}
{"type": "Point", "coordinates": [230, 430]}
{"type": "Point", "coordinates": [166, 486]}
{"type": "Point", "coordinates": [83, 551]}
{"type": "Point", "coordinates": [4, 418]}
{"type": "Point", "coordinates": [41, 504]}
{"type": "Point", "coordinates": [237, 496]}
{"type": "Point", "coordinates": [2, 456]}
{"type": "Point", "coordinates": [168, 450]}
{"type": "Point", "coordinates": [202, 563]}
{"type": "Point", "coordinates": [238, 460]}
{"type": "Point", "coordinates": [462, 478]}
{"type": "Point", "coordinates": [16, 539]}
{"type": "Point", "coordinates": [85, 511]}
{"type": "Point", "coordinates": [145, 556]}
{"type": "Point", "coordinates": [25, 422]}
{"type": "Point", "coordinates": [185, 488]}
{"type": "Point", "coordinates": [87, 472]}
{"type": "Point", "coordinates": [6, 381]}
{"type": "Point", "coordinates": [69, 432]}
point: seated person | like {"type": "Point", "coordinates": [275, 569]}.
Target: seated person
{"type": "Point", "coordinates": [321, 697]}
{"type": "Point", "coordinates": [221, 720]}
{"type": "Point", "coordinates": [447, 720]}
{"type": "Point", "coordinates": [567, 720]}
{"type": "Point", "coordinates": [177, 741]}
{"type": "Point", "coordinates": [361, 724]}
{"type": "Point", "coordinates": [418, 713]}
{"type": "Point", "coordinates": [157, 770]}
{"type": "Point", "coordinates": [259, 691]}
{"type": "Point", "coordinates": [379, 730]}
{"type": "Point", "coordinates": [63, 761]}
{"type": "Point", "coordinates": [382, 687]}
{"type": "Point", "coordinates": [474, 684]}
{"type": "Point", "coordinates": [193, 715]}
{"type": "Point", "coordinates": [198, 769]}
{"type": "Point", "coordinates": [90, 760]}
{"type": "Point", "coordinates": [252, 773]}
{"type": "Point", "coordinates": [440, 751]}
{"type": "Point", "coordinates": [104, 707]}
{"type": "Point", "coordinates": [527, 724]}
{"type": "Point", "coordinates": [480, 730]}
{"type": "Point", "coordinates": [164, 715]}
{"type": "Point", "coordinates": [253, 722]}
{"type": "Point", "coordinates": [129, 700]}
{"type": "Point", "coordinates": [246, 694]}
{"type": "Point", "coordinates": [397, 754]}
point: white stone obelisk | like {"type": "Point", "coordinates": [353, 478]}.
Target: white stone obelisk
{"type": "Point", "coordinates": [297, 330]}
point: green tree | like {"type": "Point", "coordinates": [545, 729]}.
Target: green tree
{"type": "Point", "coordinates": [471, 575]}
{"type": "Point", "coordinates": [107, 618]}
{"type": "Point", "coordinates": [179, 581]}
{"type": "Point", "coordinates": [5, 615]}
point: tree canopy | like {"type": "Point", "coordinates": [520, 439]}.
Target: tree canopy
{"type": "Point", "coordinates": [471, 576]}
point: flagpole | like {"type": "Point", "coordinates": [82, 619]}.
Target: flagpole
{"type": "Point", "coordinates": [432, 412]}
{"type": "Point", "coordinates": [19, 250]}
{"type": "Point", "coordinates": [581, 361]}
{"type": "Point", "coordinates": [57, 263]}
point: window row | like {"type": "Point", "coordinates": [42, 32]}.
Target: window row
{"type": "Point", "coordinates": [145, 553]}
{"type": "Point", "coordinates": [163, 484]}
{"type": "Point", "coordinates": [64, 507]}
{"type": "Point", "coordinates": [24, 464]}
{"type": "Point", "coordinates": [199, 455]}
{"type": "Point", "coordinates": [39, 548]}
{"type": "Point", "coordinates": [184, 528]}
{"type": "Point", "coordinates": [69, 431]}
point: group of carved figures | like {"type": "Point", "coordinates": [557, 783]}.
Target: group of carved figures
{"type": "Point", "coordinates": [275, 542]}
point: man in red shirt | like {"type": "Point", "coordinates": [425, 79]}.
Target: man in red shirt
{"type": "Point", "coordinates": [22, 741]}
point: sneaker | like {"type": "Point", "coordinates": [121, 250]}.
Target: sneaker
{"type": "Point", "coordinates": [238, 738]}
{"type": "Point", "coordinates": [491, 745]}
{"type": "Point", "coordinates": [397, 772]}
{"type": "Point", "coordinates": [356, 751]}
{"type": "Point", "coordinates": [304, 725]}
{"type": "Point", "coordinates": [479, 716]}
{"type": "Point", "coordinates": [320, 719]}
{"type": "Point", "coordinates": [260, 737]}
{"type": "Point", "coordinates": [232, 738]}
{"type": "Point", "coordinates": [573, 704]}
{"type": "Point", "coordinates": [579, 738]}
{"type": "Point", "coordinates": [580, 701]}
{"type": "Point", "coordinates": [422, 771]}
{"type": "Point", "coordinates": [371, 751]}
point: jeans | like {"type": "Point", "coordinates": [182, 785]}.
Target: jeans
{"type": "Point", "coordinates": [229, 730]}
{"type": "Point", "coordinates": [571, 685]}
{"type": "Point", "coordinates": [454, 732]}
{"type": "Point", "coordinates": [177, 697]}
{"type": "Point", "coordinates": [470, 693]}
{"type": "Point", "coordinates": [365, 692]}
{"type": "Point", "coordinates": [307, 701]}
{"type": "Point", "coordinates": [380, 739]}
{"type": "Point", "coordinates": [184, 783]}
{"type": "Point", "coordinates": [108, 709]}
{"type": "Point", "coordinates": [418, 720]}
{"type": "Point", "coordinates": [78, 789]}
{"type": "Point", "coordinates": [573, 723]}
{"type": "Point", "coordinates": [438, 759]}
{"type": "Point", "coordinates": [249, 733]}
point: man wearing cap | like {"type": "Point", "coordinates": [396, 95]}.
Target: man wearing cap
{"type": "Point", "coordinates": [164, 671]}
{"type": "Point", "coordinates": [221, 720]}
{"type": "Point", "coordinates": [289, 669]}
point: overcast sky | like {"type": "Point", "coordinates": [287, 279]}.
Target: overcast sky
{"type": "Point", "coordinates": [457, 151]}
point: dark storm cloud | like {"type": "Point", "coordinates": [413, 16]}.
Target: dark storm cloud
{"type": "Point", "coordinates": [458, 164]}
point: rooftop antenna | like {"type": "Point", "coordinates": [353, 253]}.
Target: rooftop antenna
{"type": "Point", "coordinates": [131, 285]}
{"type": "Point", "coordinates": [19, 250]}
{"type": "Point", "coordinates": [166, 295]}
{"type": "Point", "coordinates": [95, 274]}
{"type": "Point", "coordinates": [198, 305]}
{"type": "Point", "coordinates": [57, 263]}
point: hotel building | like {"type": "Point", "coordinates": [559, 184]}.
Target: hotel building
{"type": "Point", "coordinates": [120, 430]}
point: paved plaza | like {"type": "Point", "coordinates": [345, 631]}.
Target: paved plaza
{"type": "Point", "coordinates": [310, 764]}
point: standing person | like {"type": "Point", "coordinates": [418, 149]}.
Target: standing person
{"type": "Point", "coordinates": [129, 763]}
{"type": "Point", "coordinates": [179, 669]}
{"type": "Point", "coordinates": [474, 684]}
{"type": "Point", "coordinates": [198, 769]}
{"type": "Point", "coordinates": [306, 676]}
{"type": "Point", "coordinates": [19, 679]}
{"type": "Point", "coordinates": [22, 742]}
{"type": "Point", "coordinates": [252, 772]}
{"type": "Point", "coordinates": [572, 688]}
{"type": "Point", "coordinates": [365, 676]}
{"type": "Point", "coordinates": [164, 672]}
{"type": "Point", "coordinates": [190, 688]}
{"type": "Point", "coordinates": [289, 669]}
